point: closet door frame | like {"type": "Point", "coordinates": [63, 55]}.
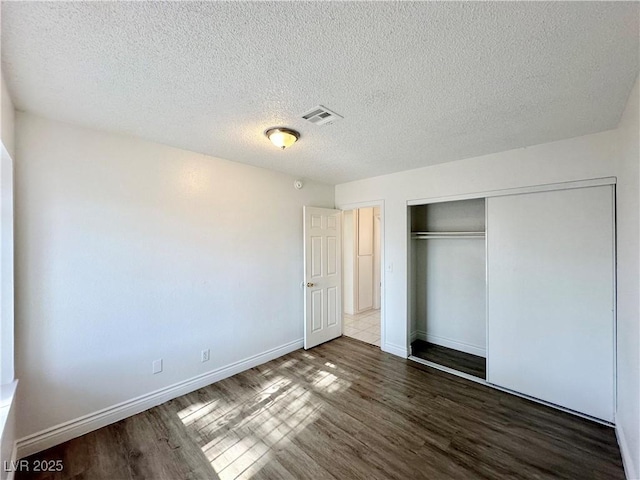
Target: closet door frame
{"type": "Point", "coordinates": [514, 191]}
{"type": "Point", "coordinates": [593, 182]}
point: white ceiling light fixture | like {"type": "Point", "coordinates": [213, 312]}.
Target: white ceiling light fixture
{"type": "Point", "coordinates": [282, 137]}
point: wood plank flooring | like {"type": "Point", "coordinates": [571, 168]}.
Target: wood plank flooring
{"type": "Point", "coordinates": [343, 410]}
{"type": "Point", "coordinates": [448, 357]}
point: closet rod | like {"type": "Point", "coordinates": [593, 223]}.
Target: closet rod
{"type": "Point", "coordinates": [434, 235]}
{"type": "Point", "coordinates": [449, 233]}
{"type": "Point", "coordinates": [442, 237]}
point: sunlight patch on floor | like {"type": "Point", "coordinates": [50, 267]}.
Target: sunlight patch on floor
{"type": "Point", "coordinates": [244, 449]}
{"type": "Point", "coordinates": [196, 411]}
{"type": "Point", "coordinates": [329, 382]}
{"type": "Point", "coordinates": [239, 434]}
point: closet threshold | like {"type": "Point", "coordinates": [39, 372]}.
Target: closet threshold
{"type": "Point", "coordinates": [450, 370]}
{"type": "Point", "coordinates": [486, 383]}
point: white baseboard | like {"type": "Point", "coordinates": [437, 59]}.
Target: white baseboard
{"type": "Point", "coordinates": [414, 336]}
{"type": "Point", "coordinates": [395, 350]}
{"type": "Point", "coordinates": [449, 343]}
{"type": "Point", "coordinates": [66, 431]}
{"type": "Point", "coordinates": [627, 459]}
{"type": "Point", "coordinates": [419, 335]}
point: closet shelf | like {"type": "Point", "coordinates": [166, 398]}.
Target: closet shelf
{"type": "Point", "coordinates": [433, 235]}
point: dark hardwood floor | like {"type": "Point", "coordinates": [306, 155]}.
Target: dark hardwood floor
{"type": "Point", "coordinates": [343, 410]}
{"type": "Point", "coordinates": [448, 357]}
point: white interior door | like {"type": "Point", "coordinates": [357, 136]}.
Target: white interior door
{"type": "Point", "coordinates": [551, 297]}
{"type": "Point", "coordinates": [323, 275]}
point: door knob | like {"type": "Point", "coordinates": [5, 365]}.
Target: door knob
{"type": "Point", "coordinates": [310, 284]}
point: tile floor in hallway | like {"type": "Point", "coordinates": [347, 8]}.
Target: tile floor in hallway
{"type": "Point", "coordinates": [363, 326]}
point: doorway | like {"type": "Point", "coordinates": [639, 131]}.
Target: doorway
{"type": "Point", "coordinates": [362, 284]}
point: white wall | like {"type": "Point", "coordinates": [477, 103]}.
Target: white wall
{"type": "Point", "coordinates": [628, 208]}
{"type": "Point", "coordinates": [129, 251]}
{"type": "Point", "coordinates": [7, 390]}
{"type": "Point", "coordinates": [6, 269]}
{"type": "Point", "coordinates": [7, 118]}
{"type": "Point", "coordinates": [6, 234]}
{"type": "Point", "coordinates": [450, 294]}
{"type": "Point", "coordinates": [591, 156]}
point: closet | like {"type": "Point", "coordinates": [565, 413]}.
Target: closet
{"type": "Point", "coordinates": [449, 284]}
{"type": "Point", "coordinates": [522, 283]}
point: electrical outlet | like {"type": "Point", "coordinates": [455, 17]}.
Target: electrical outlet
{"type": "Point", "coordinates": [157, 366]}
{"type": "Point", "coordinates": [204, 355]}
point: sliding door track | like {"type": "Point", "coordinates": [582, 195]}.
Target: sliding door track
{"type": "Point", "coordinates": [482, 381]}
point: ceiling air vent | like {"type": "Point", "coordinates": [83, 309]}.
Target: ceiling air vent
{"type": "Point", "coordinates": [321, 116]}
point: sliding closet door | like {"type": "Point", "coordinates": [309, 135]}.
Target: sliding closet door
{"type": "Point", "coordinates": [551, 297]}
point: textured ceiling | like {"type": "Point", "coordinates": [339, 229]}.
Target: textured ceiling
{"type": "Point", "coordinates": [416, 83]}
